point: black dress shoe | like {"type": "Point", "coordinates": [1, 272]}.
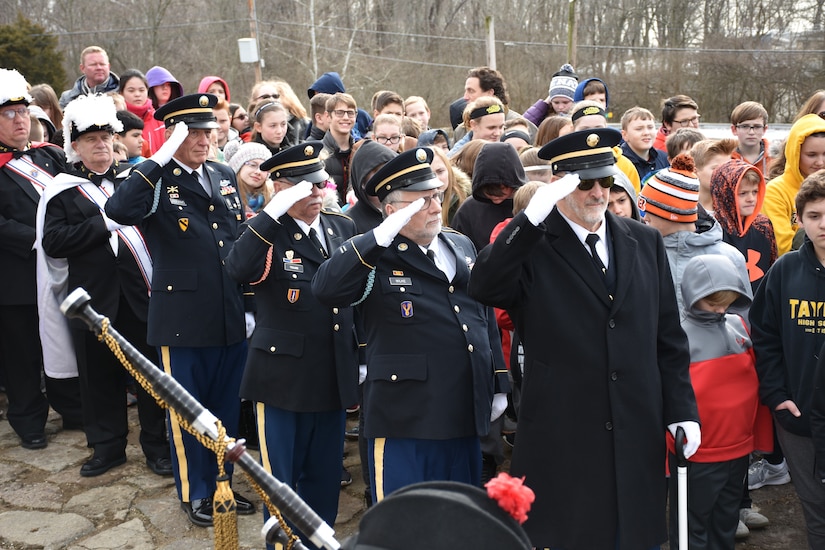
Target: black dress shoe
{"type": "Point", "coordinates": [37, 441]}
{"type": "Point", "coordinates": [244, 505]}
{"type": "Point", "coordinates": [161, 466]}
{"type": "Point", "coordinates": [97, 465]}
{"type": "Point", "coordinates": [199, 511]}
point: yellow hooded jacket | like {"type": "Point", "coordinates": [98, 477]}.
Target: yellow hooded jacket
{"type": "Point", "coordinates": [780, 196]}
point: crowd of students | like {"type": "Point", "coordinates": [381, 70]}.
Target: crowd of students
{"type": "Point", "coordinates": [743, 224]}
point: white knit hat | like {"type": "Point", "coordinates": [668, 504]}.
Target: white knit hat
{"type": "Point", "coordinates": [13, 88]}
{"type": "Point", "coordinates": [247, 151]}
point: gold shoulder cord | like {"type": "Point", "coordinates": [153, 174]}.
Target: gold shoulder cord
{"type": "Point", "coordinates": [224, 518]}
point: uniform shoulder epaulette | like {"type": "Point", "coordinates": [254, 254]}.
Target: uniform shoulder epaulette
{"type": "Point", "coordinates": [335, 213]}
{"type": "Point", "coordinates": [451, 230]}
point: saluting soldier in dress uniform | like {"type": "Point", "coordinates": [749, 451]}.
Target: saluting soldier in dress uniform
{"type": "Point", "coordinates": [26, 169]}
{"type": "Point", "coordinates": [433, 354]}
{"type": "Point", "coordinates": [112, 263]}
{"type": "Point", "coordinates": [606, 360]}
{"type": "Point", "coordinates": [190, 213]}
{"type": "Point", "coordinates": [302, 370]}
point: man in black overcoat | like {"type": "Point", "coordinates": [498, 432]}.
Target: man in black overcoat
{"type": "Point", "coordinates": [606, 366]}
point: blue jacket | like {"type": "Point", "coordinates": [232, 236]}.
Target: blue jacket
{"type": "Point", "coordinates": [657, 161]}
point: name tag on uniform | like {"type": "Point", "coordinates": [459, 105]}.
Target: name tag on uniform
{"type": "Point", "coordinates": [295, 268]}
{"type": "Point", "coordinates": [400, 281]}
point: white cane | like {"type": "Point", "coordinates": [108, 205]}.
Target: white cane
{"type": "Point", "coordinates": [681, 478]}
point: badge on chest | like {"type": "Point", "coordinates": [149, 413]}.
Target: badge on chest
{"type": "Point", "coordinates": [291, 263]}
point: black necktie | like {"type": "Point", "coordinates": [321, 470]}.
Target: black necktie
{"type": "Point", "coordinates": [431, 255]}
{"type": "Point", "coordinates": [591, 241]}
{"type": "Point", "coordinates": [313, 236]}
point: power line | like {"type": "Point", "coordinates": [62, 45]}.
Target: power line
{"type": "Point", "coordinates": [359, 54]}
{"type": "Point", "coordinates": [503, 42]}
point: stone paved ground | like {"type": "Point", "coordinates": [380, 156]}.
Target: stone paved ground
{"type": "Point", "coordinates": [44, 503]}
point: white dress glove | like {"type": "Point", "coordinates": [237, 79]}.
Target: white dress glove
{"type": "Point", "coordinates": [547, 196]}
{"type": "Point", "coordinates": [249, 319]}
{"type": "Point", "coordinates": [163, 155]}
{"type": "Point", "coordinates": [693, 435]}
{"type": "Point", "coordinates": [285, 198]}
{"type": "Point", "coordinates": [362, 374]}
{"type": "Point", "coordinates": [499, 406]}
{"type": "Point", "coordinates": [392, 224]}
{"type": "Point", "coordinates": [111, 224]}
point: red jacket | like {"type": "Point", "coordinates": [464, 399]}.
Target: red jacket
{"type": "Point", "coordinates": [734, 423]}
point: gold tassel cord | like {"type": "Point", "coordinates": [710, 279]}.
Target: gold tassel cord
{"type": "Point", "coordinates": [224, 505]}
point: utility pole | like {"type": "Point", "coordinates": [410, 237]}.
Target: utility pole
{"type": "Point", "coordinates": [571, 33]}
{"type": "Point", "coordinates": [489, 22]}
{"type": "Point", "coordinates": [253, 30]}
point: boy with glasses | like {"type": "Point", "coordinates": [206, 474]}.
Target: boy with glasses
{"type": "Point", "coordinates": [338, 140]}
{"type": "Point", "coordinates": [748, 122]}
{"type": "Point", "coordinates": [679, 111]}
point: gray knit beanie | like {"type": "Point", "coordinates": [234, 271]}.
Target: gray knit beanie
{"type": "Point", "coordinates": [247, 151]}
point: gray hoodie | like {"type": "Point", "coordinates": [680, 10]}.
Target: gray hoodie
{"type": "Point", "coordinates": [713, 335]}
{"type": "Point", "coordinates": [684, 245]}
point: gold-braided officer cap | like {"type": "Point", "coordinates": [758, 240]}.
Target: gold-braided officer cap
{"type": "Point", "coordinates": [193, 109]}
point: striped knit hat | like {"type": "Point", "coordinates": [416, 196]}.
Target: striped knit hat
{"type": "Point", "coordinates": [672, 193]}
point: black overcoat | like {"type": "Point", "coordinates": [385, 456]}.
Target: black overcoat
{"type": "Point", "coordinates": [603, 378]}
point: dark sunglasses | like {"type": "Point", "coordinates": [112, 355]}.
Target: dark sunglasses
{"type": "Point", "coordinates": [604, 183]}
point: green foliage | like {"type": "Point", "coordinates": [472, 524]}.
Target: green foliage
{"type": "Point", "coordinates": [29, 49]}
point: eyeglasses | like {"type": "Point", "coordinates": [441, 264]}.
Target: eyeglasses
{"type": "Point", "coordinates": [22, 112]}
{"type": "Point", "coordinates": [341, 113]}
{"type": "Point", "coordinates": [242, 116]}
{"type": "Point", "coordinates": [438, 196]}
{"type": "Point", "coordinates": [255, 165]}
{"type": "Point", "coordinates": [388, 140]}
{"type": "Point", "coordinates": [269, 96]}
{"type": "Point", "coordinates": [604, 183]}
{"type": "Point", "coordinates": [755, 128]}
{"type": "Point", "coordinates": [688, 121]}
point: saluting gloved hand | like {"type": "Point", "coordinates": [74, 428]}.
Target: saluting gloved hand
{"type": "Point", "coordinates": [285, 198]}
{"type": "Point", "coordinates": [547, 196]}
{"type": "Point", "coordinates": [167, 150]}
{"type": "Point", "coordinates": [392, 224]}
{"type": "Point", "coordinates": [693, 435]}
{"type": "Point", "coordinates": [499, 406]}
